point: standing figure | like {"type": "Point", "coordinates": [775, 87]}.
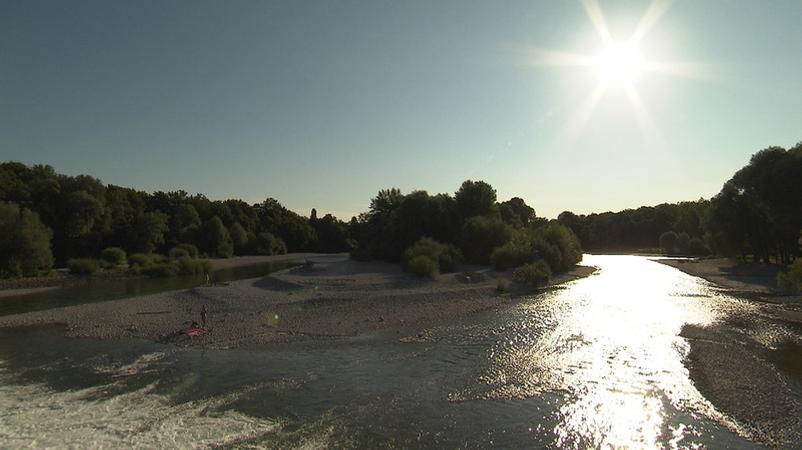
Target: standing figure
{"type": "Point", "coordinates": [204, 315]}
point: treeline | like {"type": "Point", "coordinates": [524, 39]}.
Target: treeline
{"type": "Point", "coordinates": [46, 217]}
{"type": "Point", "coordinates": [640, 229]}
{"type": "Point", "coordinates": [757, 214]}
{"type": "Point", "coordinates": [429, 234]}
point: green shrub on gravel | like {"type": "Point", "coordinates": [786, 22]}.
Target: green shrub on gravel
{"type": "Point", "coordinates": [423, 266]}
{"type": "Point", "coordinates": [176, 253]}
{"type": "Point", "coordinates": [83, 266]}
{"type": "Point", "coordinates": [792, 278]}
{"type": "Point", "coordinates": [191, 250]}
{"type": "Point", "coordinates": [534, 274]}
{"type": "Point", "coordinates": [445, 256]}
{"type": "Point", "coordinates": [189, 266]}
{"type": "Point", "coordinates": [114, 256]}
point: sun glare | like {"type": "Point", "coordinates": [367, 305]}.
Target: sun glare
{"type": "Point", "coordinates": [619, 63]}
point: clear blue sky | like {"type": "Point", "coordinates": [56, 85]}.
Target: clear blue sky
{"type": "Point", "coordinates": [321, 104]}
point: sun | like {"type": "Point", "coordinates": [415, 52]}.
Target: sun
{"type": "Point", "coordinates": [619, 63]}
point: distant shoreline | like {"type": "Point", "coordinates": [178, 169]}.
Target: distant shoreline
{"type": "Point", "coordinates": [25, 286]}
{"type": "Point", "coordinates": [333, 298]}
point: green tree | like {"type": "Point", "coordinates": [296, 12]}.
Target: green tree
{"type": "Point", "coordinates": [480, 235]}
{"type": "Point", "coordinates": [668, 242]}
{"type": "Point", "coordinates": [215, 240]}
{"type": "Point", "coordinates": [148, 232]}
{"type": "Point", "coordinates": [476, 198]}
{"type": "Point", "coordinates": [24, 242]}
{"type": "Point", "coordinates": [516, 212]}
{"type": "Point", "coordinates": [268, 244]}
{"type": "Point", "coordinates": [240, 238]}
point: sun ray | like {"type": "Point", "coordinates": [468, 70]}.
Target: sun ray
{"type": "Point", "coordinates": [695, 71]}
{"type": "Point", "coordinates": [561, 58]}
{"type": "Point", "coordinates": [656, 10]}
{"type": "Point", "coordinates": [644, 119]}
{"type": "Point", "coordinates": [596, 16]}
{"type": "Point", "coordinates": [619, 66]}
{"type": "Point", "coordinates": [576, 123]}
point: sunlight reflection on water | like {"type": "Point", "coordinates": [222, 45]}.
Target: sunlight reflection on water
{"type": "Point", "coordinates": [611, 343]}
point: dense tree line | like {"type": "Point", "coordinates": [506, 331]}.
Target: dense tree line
{"type": "Point", "coordinates": [430, 233]}
{"type": "Point", "coordinates": [636, 229]}
{"type": "Point", "coordinates": [46, 216]}
{"type": "Point", "coordinates": [757, 214]}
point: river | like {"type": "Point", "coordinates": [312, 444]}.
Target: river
{"type": "Point", "coordinates": [596, 363]}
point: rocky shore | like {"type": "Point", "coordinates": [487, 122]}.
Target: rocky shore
{"type": "Point", "coordinates": [333, 298]}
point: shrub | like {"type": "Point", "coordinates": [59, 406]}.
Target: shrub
{"type": "Point", "coordinates": [446, 256]}
{"type": "Point", "coordinates": [83, 266]}
{"type": "Point", "coordinates": [792, 278]}
{"type": "Point", "coordinates": [558, 245]}
{"type": "Point", "coordinates": [511, 254]}
{"type": "Point", "coordinates": [191, 250]}
{"type": "Point", "coordinates": [140, 260]}
{"type": "Point", "coordinates": [188, 266]}
{"type": "Point", "coordinates": [502, 285]}
{"type": "Point", "coordinates": [534, 274]}
{"type": "Point", "coordinates": [114, 256]}
{"type": "Point", "coordinates": [161, 269]}
{"type": "Point", "coordinates": [423, 266]}
{"type": "Point", "coordinates": [177, 253]}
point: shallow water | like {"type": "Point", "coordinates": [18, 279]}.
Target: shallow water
{"type": "Point", "coordinates": [598, 363]}
{"type": "Point", "coordinates": [103, 289]}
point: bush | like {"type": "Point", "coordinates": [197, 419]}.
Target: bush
{"type": "Point", "coordinates": [188, 266]}
{"type": "Point", "coordinates": [177, 253]}
{"type": "Point", "coordinates": [114, 256]}
{"type": "Point", "coordinates": [423, 266]}
{"type": "Point", "coordinates": [191, 250]}
{"type": "Point", "coordinates": [502, 285]}
{"type": "Point", "coordinates": [534, 274]}
{"type": "Point", "coordinates": [83, 266]}
{"type": "Point", "coordinates": [161, 269]}
{"type": "Point", "coordinates": [446, 256]}
{"type": "Point", "coordinates": [558, 245]}
{"type": "Point", "coordinates": [141, 260]}
{"type": "Point", "coordinates": [511, 254]}
{"type": "Point", "coordinates": [792, 278]}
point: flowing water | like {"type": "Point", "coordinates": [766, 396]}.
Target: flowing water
{"type": "Point", "coordinates": [595, 364]}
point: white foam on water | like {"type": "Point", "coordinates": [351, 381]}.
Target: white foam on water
{"type": "Point", "coordinates": [36, 416]}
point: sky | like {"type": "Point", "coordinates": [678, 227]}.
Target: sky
{"type": "Point", "coordinates": [323, 103]}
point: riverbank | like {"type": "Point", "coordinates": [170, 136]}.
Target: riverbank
{"type": "Point", "coordinates": [750, 280]}
{"type": "Point", "coordinates": [11, 287]}
{"type": "Point", "coordinates": [334, 297]}
{"type": "Point", "coordinates": [759, 387]}
{"type": "Point", "coordinates": [740, 367]}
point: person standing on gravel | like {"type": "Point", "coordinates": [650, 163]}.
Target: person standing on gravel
{"type": "Point", "coordinates": [204, 315]}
